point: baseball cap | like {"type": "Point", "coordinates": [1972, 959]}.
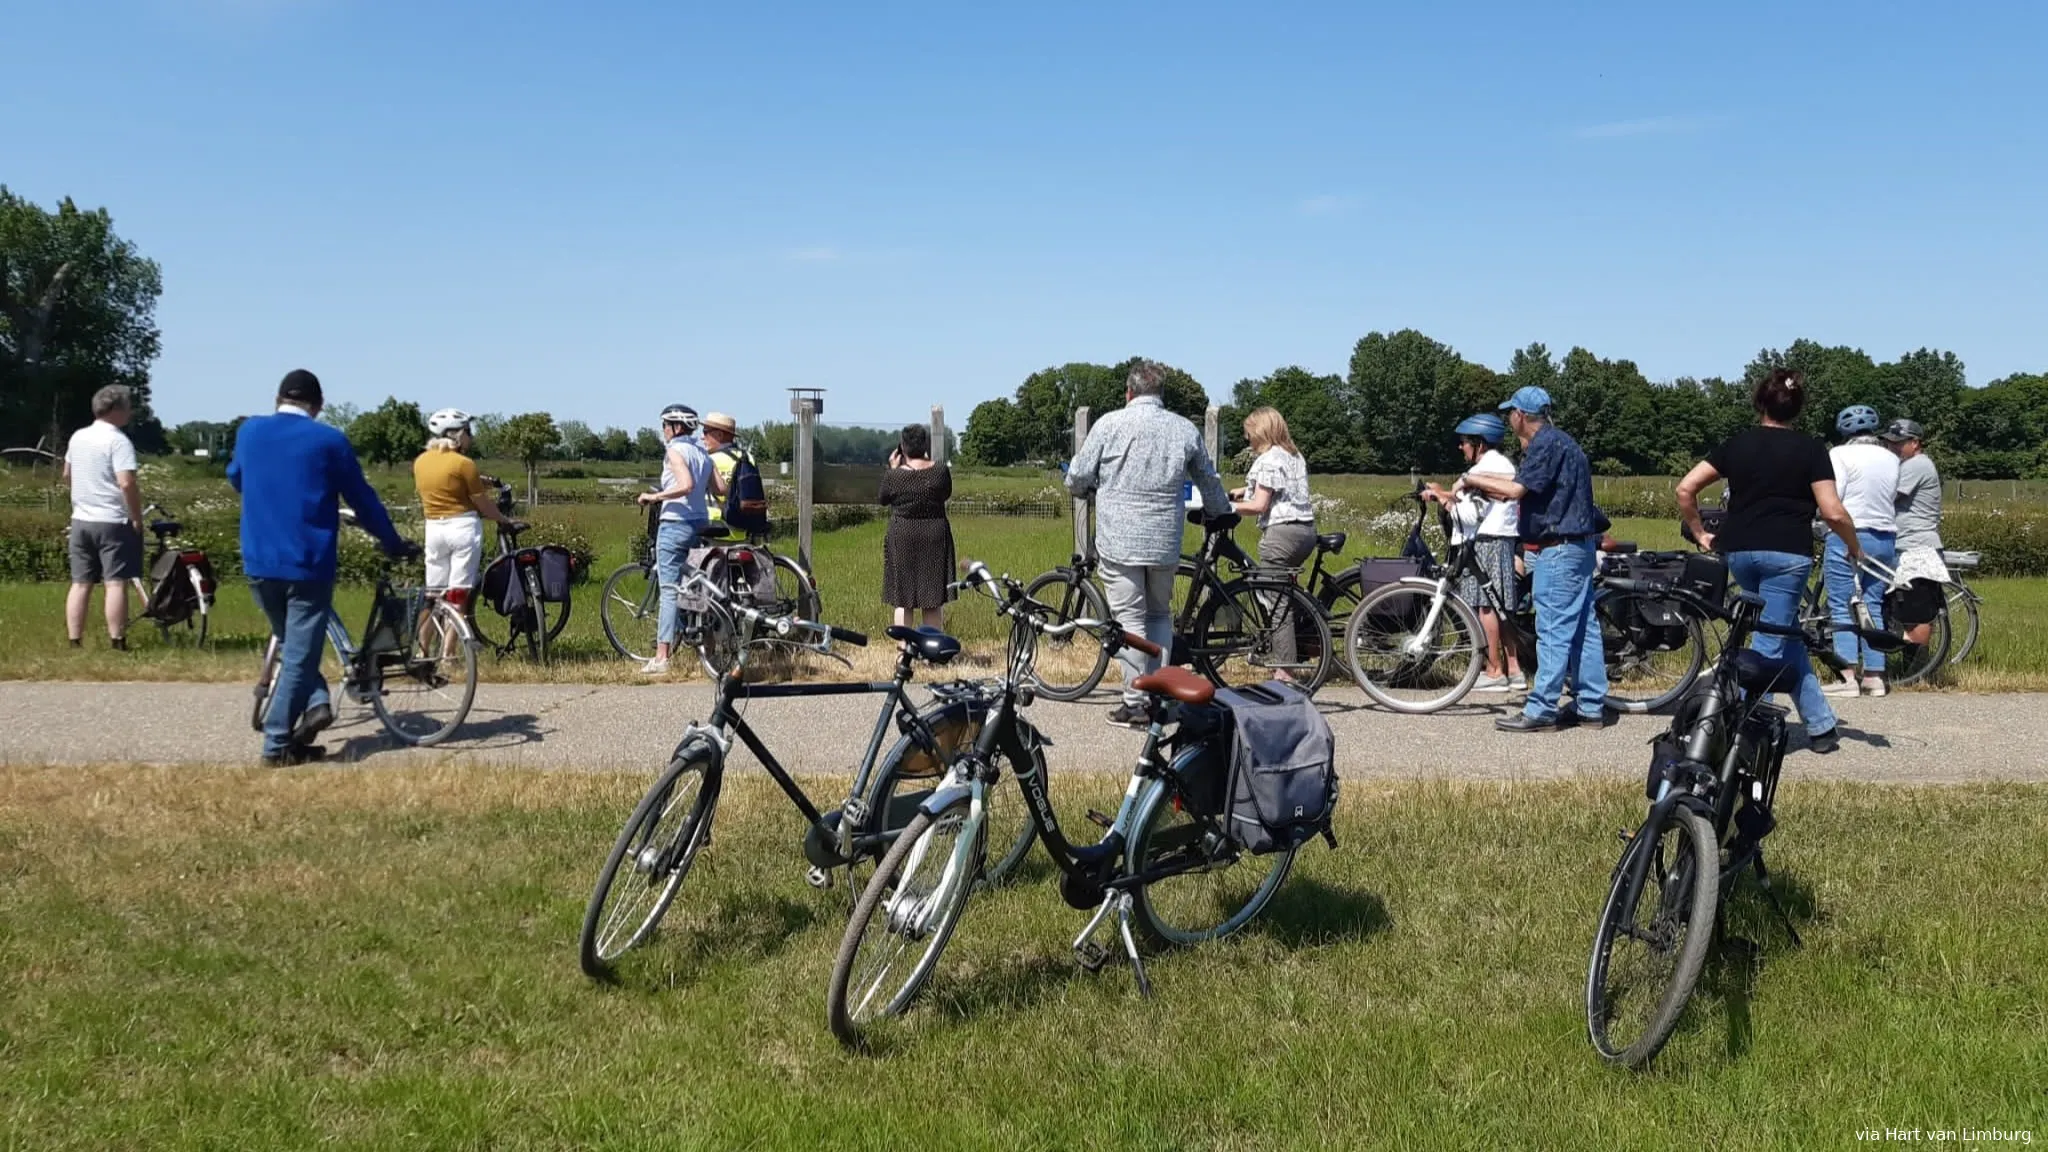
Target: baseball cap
{"type": "Point", "coordinates": [1529, 399]}
{"type": "Point", "coordinates": [1902, 430]}
{"type": "Point", "coordinates": [300, 387]}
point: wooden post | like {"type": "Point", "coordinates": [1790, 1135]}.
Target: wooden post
{"type": "Point", "coordinates": [1084, 539]}
{"type": "Point", "coordinates": [938, 434]}
{"type": "Point", "coordinates": [805, 404]}
{"type": "Point", "coordinates": [1212, 437]}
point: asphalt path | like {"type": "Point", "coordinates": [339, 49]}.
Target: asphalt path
{"type": "Point", "coordinates": [1907, 738]}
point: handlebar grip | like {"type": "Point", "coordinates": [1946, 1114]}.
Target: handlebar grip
{"type": "Point", "coordinates": [1133, 640]}
{"type": "Point", "coordinates": [847, 636]}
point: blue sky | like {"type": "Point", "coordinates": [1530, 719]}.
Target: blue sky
{"type": "Point", "coordinates": [519, 206]}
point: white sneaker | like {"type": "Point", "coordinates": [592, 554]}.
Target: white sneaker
{"type": "Point", "coordinates": [1491, 684]}
{"type": "Point", "coordinates": [1518, 683]}
{"type": "Point", "coordinates": [1875, 686]}
{"type": "Point", "coordinates": [1843, 688]}
{"type": "Point", "coordinates": [655, 667]}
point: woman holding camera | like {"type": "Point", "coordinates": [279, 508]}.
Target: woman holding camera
{"type": "Point", "coordinates": [917, 552]}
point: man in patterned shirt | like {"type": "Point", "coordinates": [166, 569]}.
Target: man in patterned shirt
{"type": "Point", "coordinates": [1136, 461]}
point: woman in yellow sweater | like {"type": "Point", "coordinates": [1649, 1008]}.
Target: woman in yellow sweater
{"type": "Point", "coordinates": [453, 500]}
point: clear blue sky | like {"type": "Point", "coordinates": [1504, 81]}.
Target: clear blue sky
{"type": "Point", "coordinates": [518, 205]}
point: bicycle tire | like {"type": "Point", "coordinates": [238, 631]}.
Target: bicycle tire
{"type": "Point", "coordinates": [1623, 698]}
{"type": "Point", "coordinates": [1221, 635]}
{"type": "Point", "coordinates": [463, 657]}
{"type": "Point", "coordinates": [1696, 900]}
{"type": "Point", "coordinates": [662, 855]}
{"type": "Point", "coordinates": [1077, 598]}
{"type": "Point", "coordinates": [1168, 835]}
{"type": "Point", "coordinates": [1961, 594]}
{"type": "Point", "coordinates": [1339, 598]}
{"type": "Point", "coordinates": [537, 639]}
{"type": "Point", "coordinates": [925, 841]}
{"type": "Point", "coordinates": [1917, 663]}
{"type": "Point", "coordinates": [1422, 671]}
{"type": "Point", "coordinates": [266, 682]}
{"type": "Point", "coordinates": [1010, 827]}
{"type": "Point", "coordinates": [631, 622]}
{"type": "Point", "coordinates": [806, 603]}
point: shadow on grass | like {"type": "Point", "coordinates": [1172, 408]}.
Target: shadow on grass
{"type": "Point", "coordinates": [1308, 913]}
{"type": "Point", "coordinates": [1735, 967]}
{"type": "Point", "coordinates": [740, 927]}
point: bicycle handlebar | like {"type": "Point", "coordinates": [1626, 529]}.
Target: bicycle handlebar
{"type": "Point", "coordinates": [1112, 637]}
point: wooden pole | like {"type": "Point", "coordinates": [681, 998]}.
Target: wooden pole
{"type": "Point", "coordinates": [1212, 436]}
{"type": "Point", "coordinates": [1084, 540]}
{"type": "Point", "coordinates": [938, 434]}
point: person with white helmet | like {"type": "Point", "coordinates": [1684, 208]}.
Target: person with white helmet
{"type": "Point", "coordinates": [1867, 476]}
{"type": "Point", "coordinates": [454, 505]}
{"type": "Point", "coordinates": [688, 480]}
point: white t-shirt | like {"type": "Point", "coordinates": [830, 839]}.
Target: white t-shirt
{"type": "Point", "coordinates": [1867, 476]}
{"type": "Point", "coordinates": [1491, 517]}
{"type": "Point", "coordinates": [1286, 475]}
{"type": "Point", "coordinates": [97, 452]}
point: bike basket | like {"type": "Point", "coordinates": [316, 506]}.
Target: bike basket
{"type": "Point", "coordinates": [1283, 768]}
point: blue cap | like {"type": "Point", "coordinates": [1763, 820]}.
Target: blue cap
{"type": "Point", "coordinates": [1529, 399]}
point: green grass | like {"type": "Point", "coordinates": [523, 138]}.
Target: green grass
{"type": "Point", "coordinates": [386, 958]}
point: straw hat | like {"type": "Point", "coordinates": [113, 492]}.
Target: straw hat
{"type": "Point", "coordinates": [720, 421]}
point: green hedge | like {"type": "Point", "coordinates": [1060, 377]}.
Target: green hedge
{"type": "Point", "coordinates": [32, 547]}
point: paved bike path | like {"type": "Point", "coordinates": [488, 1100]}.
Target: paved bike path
{"type": "Point", "coordinates": [1906, 738]}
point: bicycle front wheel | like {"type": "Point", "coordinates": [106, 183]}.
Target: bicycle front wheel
{"type": "Point", "coordinates": [1251, 630]}
{"type": "Point", "coordinates": [649, 860]}
{"type": "Point", "coordinates": [1405, 659]}
{"type": "Point", "coordinates": [1916, 663]}
{"type": "Point", "coordinates": [1199, 885]}
{"type": "Point", "coordinates": [630, 609]}
{"type": "Point", "coordinates": [1963, 622]}
{"type": "Point", "coordinates": [1071, 666]}
{"type": "Point", "coordinates": [1645, 671]}
{"type": "Point", "coordinates": [424, 699]}
{"type": "Point", "coordinates": [1648, 951]}
{"type": "Point", "coordinates": [904, 919]}
{"type": "Point", "coordinates": [266, 682]}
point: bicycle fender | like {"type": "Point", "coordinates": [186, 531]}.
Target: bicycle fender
{"type": "Point", "coordinates": [1415, 582]}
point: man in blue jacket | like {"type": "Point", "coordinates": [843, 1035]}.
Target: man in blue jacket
{"type": "Point", "coordinates": [290, 469]}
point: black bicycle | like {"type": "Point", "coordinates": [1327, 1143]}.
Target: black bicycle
{"type": "Point", "coordinates": [1166, 860]}
{"type": "Point", "coordinates": [181, 581]}
{"type": "Point", "coordinates": [527, 589]}
{"type": "Point", "coordinates": [1712, 784]}
{"type": "Point", "coordinates": [672, 823]}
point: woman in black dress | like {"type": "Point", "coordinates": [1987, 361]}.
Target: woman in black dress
{"type": "Point", "coordinates": [917, 553]}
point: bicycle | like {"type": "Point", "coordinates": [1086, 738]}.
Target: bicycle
{"type": "Point", "coordinates": [630, 606]}
{"type": "Point", "coordinates": [672, 823]}
{"type": "Point", "coordinates": [1169, 826]}
{"type": "Point", "coordinates": [1712, 783]}
{"type": "Point", "coordinates": [1905, 663]}
{"type": "Point", "coordinates": [416, 667]}
{"type": "Point", "coordinates": [1071, 591]}
{"type": "Point", "coordinates": [516, 583]}
{"type": "Point", "coordinates": [181, 581]}
{"type": "Point", "coordinates": [1961, 602]}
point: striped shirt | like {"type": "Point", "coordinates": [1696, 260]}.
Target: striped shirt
{"type": "Point", "coordinates": [1135, 461]}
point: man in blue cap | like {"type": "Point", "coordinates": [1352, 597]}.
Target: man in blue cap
{"type": "Point", "coordinates": [1561, 530]}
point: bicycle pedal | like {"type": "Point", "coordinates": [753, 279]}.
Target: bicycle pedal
{"type": "Point", "coordinates": [1100, 820]}
{"type": "Point", "coordinates": [818, 878]}
{"type": "Point", "coordinates": [1091, 956]}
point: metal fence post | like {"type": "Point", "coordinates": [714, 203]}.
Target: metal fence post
{"type": "Point", "coordinates": [938, 434]}
{"type": "Point", "coordinates": [1084, 543]}
{"type": "Point", "coordinates": [805, 404]}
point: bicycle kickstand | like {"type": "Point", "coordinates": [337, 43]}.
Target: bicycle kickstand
{"type": "Point", "coordinates": [1763, 880]}
{"type": "Point", "coordinates": [1093, 956]}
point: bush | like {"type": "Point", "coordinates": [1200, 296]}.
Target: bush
{"type": "Point", "coordinates": [2013, 543]}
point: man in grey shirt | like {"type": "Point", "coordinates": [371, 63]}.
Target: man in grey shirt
{"type": "Point", "coordinates": [1917, 509]}
{"type": "Point", "coordinates": [1136, 461]}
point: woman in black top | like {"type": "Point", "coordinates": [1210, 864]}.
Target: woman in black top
{"type": "Point", "coordinates": [917, 552]}
{"type": "Point", "coordinates": [1778, 481]}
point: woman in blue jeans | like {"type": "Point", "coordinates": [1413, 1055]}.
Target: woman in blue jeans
{"type": "Point", "coordinates": [1780, 480]}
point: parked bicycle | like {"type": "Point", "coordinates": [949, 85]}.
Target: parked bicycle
{"type": "Point", "coordinates": [416, 666]}
{"type": "Point", "coordinates": [661, 839]}
{"type": "Point", "coordinates": [749, 572]}
{"type": "Point", "coordinates": [1712, 785]}
{"type": "Point", "coordinates": [181, 582]}
{"type": "Point", "coordinates": [1962, 604]}
{"type": "Point", "coordinates": [527, 590]}
{"type": "Point", "coordinates": [1167, 860]}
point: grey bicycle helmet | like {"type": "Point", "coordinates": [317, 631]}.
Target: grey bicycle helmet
{"type": "Point", "coordinates": [1857, 419]}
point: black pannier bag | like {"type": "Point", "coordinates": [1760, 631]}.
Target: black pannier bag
{"type": "Point", "coordinates": [1283, 768]}
{"type": "Point", "coordinates": [1648, 625]}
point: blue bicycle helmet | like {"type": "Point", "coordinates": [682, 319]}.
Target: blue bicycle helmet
{"type": "Point", "coordinates": [1857, 419]}
{"type": "Point", "coordinates": [1486, 426]}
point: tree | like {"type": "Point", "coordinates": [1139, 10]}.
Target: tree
{"type": "Point", "coordinates": [391, 433]}
{"type": "Point", "coordinates": [1608, 407]}
{"type": "Point", "coordinates": [771, 442]}
{"type": "Point", "coordinates": [77, 313]}
{"type": "Point", "coordinates": [995, 435]}
{"type": "Point", "coordinates": [529, 438]}
{"type": "Point", "coordinates": [1314, 410]}
{"type": "Point", "coordinates": [1926, 386]}
{"type": "Point", "coordinates": [646, 444]}
{"type": "Point", "coordinates": [340, 415]}
{"type": "Point", "coordinates": [1404, 395]}
{"type": "Point", "coordinates": [486, 428]}
{"type": "Point", "coordinates": [574, 442]}
{"type": "Point", "coordinates": [618, 445]}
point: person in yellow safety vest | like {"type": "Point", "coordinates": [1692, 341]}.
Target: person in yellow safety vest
{"type": "Point", "coordinates": [720, 435]}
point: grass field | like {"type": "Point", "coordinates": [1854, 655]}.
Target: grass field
{"type": "Point", "coordinates": [385, 959]}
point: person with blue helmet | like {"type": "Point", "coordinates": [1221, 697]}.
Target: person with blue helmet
{"type": "Point", "coordinates": [1560, 529]}
{"type": "Point", "coordinates": [1867, 477]}
{"type": "Point", "coordinates": [1492, 526]}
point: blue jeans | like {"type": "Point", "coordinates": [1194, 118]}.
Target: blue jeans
{"type": "Point", "coordinates": [1845, 583]}
{"type": "Point", "coordinates": [672, 546]}
{"type": "Point", "coordinates": [1780, 578]}
{"type": "Point", "coordinates": [1567, 633]}
{"type": "Point", "coordinates": [298, 611]}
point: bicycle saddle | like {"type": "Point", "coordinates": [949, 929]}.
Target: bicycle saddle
{"type": "Point", "coordinates": [1177, 683]}
{"type": "Point", "coordinates": [1331, 541]}
{"type": "Point", "coordinates": [928, 644]}
{"type": "Point", "coordinates": [166, 527]}
{"type": "Point", "coordinates": [1762, 676]}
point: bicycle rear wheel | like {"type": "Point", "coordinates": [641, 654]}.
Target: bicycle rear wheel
{"type": "Point", "coordinates": [903, 921]}
{"type": "Point", "coordinates": [1642, 674]}
{"type": "Point", "coordinates": [1403, 659]}
{"type": "Point", "coordinates": [1963, 622]}
{"type": "Point", "coordinates": [1210, 888]}
{"type": "Point", "coordinates": [423, 699]}
{"type": "Point", "coordinates": [795, 593]}
{"type": "Point", "coordinates": [537, 638]}
{"type": "Point", "coordinates": [1916, 663]}
{"type": "Point", "coordinates": [1236, 634]}
{"type": "Point", "coordinates": [1648, 952]}
{"type": "Point", "coordinates": [1072, 666]}
{"type": "Point", "coordinates": [649, 860]}
{"type": "Point", "coordinates": [909, 770]}
{"type": "Point", "coordinates": [630, 609]}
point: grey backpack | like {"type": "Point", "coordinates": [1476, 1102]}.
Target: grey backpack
{"type": "Point", "coordinates": [1283, 768]}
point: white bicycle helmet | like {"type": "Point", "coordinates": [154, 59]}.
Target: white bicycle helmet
{"type": "Point", "coordinates": [449, 421]}
{"type": "Point", "coordinates": [681, 414]}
